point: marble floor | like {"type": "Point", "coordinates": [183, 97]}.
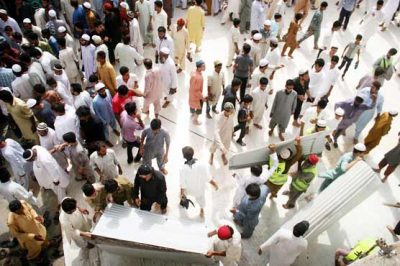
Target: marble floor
{"type": "Point", "coordinates": [368, 219]}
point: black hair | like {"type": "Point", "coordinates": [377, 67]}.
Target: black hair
{"type": "Point", "coordinates": [289, 82]}
{"type": "Point", "coordinates": [101, 54]}
{"type": "Point", "coordinates": [158, 3]}
{"type": "Point", "coordinates": [359, 37]}
{"type": "Point", "coordinates": [58, 108]}
{"type": "Point", "coordinates": [256, 170]}
{"type": "Point", "coordinates": [322, 103]}
{"type": "Point", "coordinates": [298, 16]}
{"type": "Point", "coordinates": [88, 189]}
{"type": "Point", "coordinates": [110, 186]}
{"type": "Point", "coordinates": [155, 124]}
{"type": "Point", "coordinates": [123, 70]}
{"type": "Point", "coordinates": [236, 82]}
{"type": "Point", "coordinates": [320, 62]}
{"type": "Point", "coordinates": [300, 228]}
{"type": "Point", "coordinates": [14, 206]}
{"type": "Point", "coordinates": [246, 48]}
{"type": "Point", "coordinates": [93, 78]}
{"type": "Point", "coordinates": [122, 90]}
{"type": "Point", "coordinates": [39, 88]}
{"type": "Point", "coordinates": [68, 204]}
{"type": "Point", "coordinates": [335, 58]}
{"type": "Point", "coordinates": [247, 98]}
{"type": "Point", "coordinates": [76, 87]}
{"type": "Point", "coordinates": [148, 64]}
{"type": "Point", "coordinates": [69, 137]}
{"type": "Point", "coordinates": [263, 81]}
{"type": "Point", "coordinates": [162, 29]}
{"type": "Point", "coordinates": [4, 175]}
{"type": "Point", "coordinates": [236, 22]}
{"type": "Point", "coordinates": [130, 108]}
{"type": "Point", "coordinates": [6, 96]}
{"type": "Point", "coordinates": [82, 111]}
{"type": "Point", "coordinates": [253, 190]}
{"type": "Point", "coordinates": [62, 42]}
{"type": "Point", "coordinates": [324, 4]}
{"type": "Point", "coordinates": [188, 153]}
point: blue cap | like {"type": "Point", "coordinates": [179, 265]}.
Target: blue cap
{"type": "Point", "coordinates": [199, 63]}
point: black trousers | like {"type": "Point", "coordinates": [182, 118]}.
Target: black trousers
{"type": "Point", "coordinates": [344, 15]}
{"type": "Point", "coordinates": [242, 87]}
{"type": "Point", "coordinates": [297, 111]}
{"type": "Point", "coordinates": [129, 148]}
{"type": "Point", "coordinates": [345, 61]}
{"type": "Point", "coordinates": [242, 127]}
{"type": "Point", "coordinates": [397, 229]}
{"type": "Point", "coordinates": [214, 107]}
{"type": "Point", "coordinates": [146, 203]}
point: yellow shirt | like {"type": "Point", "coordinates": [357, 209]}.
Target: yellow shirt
{"type": "Point", "coordinates": [22, 116]}
{"type": "Point", "coordinates": [107, 75]}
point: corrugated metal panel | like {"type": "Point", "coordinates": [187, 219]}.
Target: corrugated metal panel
{"type": "Point", "coordinates": [130, 231]}
{"type": "Point", "coordinates": [337, 200]}
{"type": "Point", "coordinates": [313, 143]}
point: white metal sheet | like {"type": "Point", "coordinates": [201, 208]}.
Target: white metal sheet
{"type": "Point", "coordinates": [313, 143]}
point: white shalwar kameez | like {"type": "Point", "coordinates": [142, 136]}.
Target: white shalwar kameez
{"type": "Point", "coordinates": [193, 179]}
{"type": "Point", "coordinates": [283, 247]}
{"type": "Point", "coordinates": [169, 77]}
{"type": "Point", "coordinates": [13, 191]}
{"type": "Point", "coordinates": [88, 59]}
{"type": "Point", "coordinates": [316, 79]}
{"type": "Point", "coordinates": [47, 171]}
{"type": "Point", "coordinates": [134, 34]}
{"type": "Point", "coordinates": [45, 60]}
{"type": "Point", "coordinates": [234, 37]}
{"type": "Point", "coordinates": [388, 10]}
{"type": "Point", "coordinates": [70, 63]}
{"type": "Point", "coordinates": [260, 99]}
{"type": "Point", "coordinates": [258, 13]}
{"type": "Point", "coordinates": [48, 142]}
{"type": "Point", "coordinates": [68, 122]}
{"type": "Point", "coordinates": [370, 24]}
{"type": "Point", "coordinates": [127, 56]}
{"type": "Point", "coordinates": [223, 134]}
{"type": "Point", "coordinates": [166, 42]}
{"type": "Point", "coordinates": [65, 93]}
{"type": "Point", "coordinates": [12, 152]}
{"type": "Point", "coordinates": [232, 248]}
{"type": "Point", "coordinates": [232, 7]}
{"type": "Point", "coordinates": [104, 48]}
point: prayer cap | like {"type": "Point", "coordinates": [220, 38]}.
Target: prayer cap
{"type": "Point", "coordinates": [145, 169]}
{"type": "Point", "coordinates": [131, 14]}
{"type": "Point", "coordinates": [303, 71]}
{"type": "Point", "coordinates": [224, 232]}
{"type": "Point", "coordinates": [339, 111]}
{"type": "Point", "coordinates": [263, 62]}
{"type": "Point", "coordinates": [124, 5]}
{"type": "Point", "coordinates": [99, 86]}
{"type": "Point", "coordinates": [273, 39]}
{"type": "Point", "coordinates": [16, 68]}
{"type": "Point", "coordinates": [228, 107]}
{"type": "Point", "coordinates": [321, 123]}
{"type": "Point", "coordinates": [360, 147]}
{"type": "Point", "coordinates": [284, 154]}
{"type": "Point", "coordinates": [393, 112]}
{"type": "Point", "coordinates": [180, 22]}
{"type": "Point", "coordinates": [217, 63]}
{"type": "Point", "coordinates": [199, 63]}
{"type": "Point", "coordinates": [87, 5]}
{"type": "Point", "coordinates": [52, 13]}
{"type": "Point", "coordinates": [42, 126]}
{"type": "Point", "coordinates": [61, 29]}
{"type": "Point", "coordinates": [3, 11]}
{"type": "Point", "coordinates": [27, 21]}
{"type": "Point", "coordinates": [313, 159]}
{"type": "Point", "coordinates": [31, 102]}
{"type": "Point", "coordinates": [267, 22]}
{"type": "Point", "coordinates": [165, 50]}
{"type": "Point", "coordinates": [27, 155]}
{"type": "Point", "coordinates": [85, 37]}
{"type": "Point", "coordinates": [96, 39]}
{"type": "Point", "coordinates": [257, 36]}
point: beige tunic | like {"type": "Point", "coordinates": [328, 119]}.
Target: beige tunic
{"type": "Point", "coordinates": [181, 46]}
{"type": "Point", "coordinates": [215, 83]}
{"type": "Point", "coordinates": [22, 116]}
{"type": "Point", "coordinates": [24, 227]}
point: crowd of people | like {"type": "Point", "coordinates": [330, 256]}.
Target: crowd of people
{"type": "Point", "coordinates": [69, 78]}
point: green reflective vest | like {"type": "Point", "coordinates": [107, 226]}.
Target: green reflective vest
{"type": "Point", "coordinates": [363, 247]}
{"type": "Point", "coordinates": [301, 184]}
{"type": "Point", "coordinates": [277, 177]}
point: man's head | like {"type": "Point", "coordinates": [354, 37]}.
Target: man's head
{"type": "Point", "coordinates": [3, 142]}
{"type": "Point", "coordinates": [33, 38]}
{"type": "Point", "coordinates": [155, 125]}
{"type": "Point", "coordinates": [358, 39]}
{"type": "Point", "coordinates": [180, 23]}
{"type": "Point", "coordinates": [200, 65]}
{"type": "Point", "coordinates": [199, 2]}
{"type": "Point", "coordinates": [217, 66]}
{"type": "Point", "coordinates": [123, 91]}
{"type": "Point", "coordinates": [126, 39]}
{"type": "Point", "coordinates": [235, 84]}
{"type": "Point", "coordinates": [257, 37]}
{"type": "Point", "coordinates": [334, 61]}
{"type": "Point", "coordinates": [70, 138]}
{"type": "Point", "coordinates": [148, 64]}
{"type": "Point", "coordinates": [161, 32]}
{"type": "Point", "coordinates": [42, 129]}
{"type": "Point", "coordinates": [3, 14]}
{"type": "Point", "coordinates": [319, 64]}
{"type": "Point", "coordinates": [27, 24]}
{"type": "Point", "coordinates": [253, 191]}
{"type": "Point", "coordinates": [289, 86]}
{"type": "Point", "coordinates": [391, 52]}
{"type": "Point", "coordinates": [6, 96]}
{"type": "Point", "coordinates": [359, 149]}
{"type": "Point", "coordinates": [301, 228]}
{"type": "Point", "coordinates": [298, 16]}
{"type": "Point", "coordinates": [131, 108]}
{"type": "Point", "coordinates": [29, 155]}
{"type": "Point", "coordinates": [4, 175]}
{"type": "Point", "coordinates": [339, 113]}
{"type": "Point", "coordinates": [188, 153]}
{"type": "Point", "coordinates": [164, 53]}
{"type": "Point", "coordinates": [58, 69]}
{"type": "Point", "coordinates": [101, 148]}
{"type": "Point", "coordinates": [303, 75]}
{"type": "Point", "coordinates": [111, 185]}
{"type": "Point", "coordinates": [229, 109]}
{"type": "Point", "coordinates": [267, 25]}
{"type": "Point", "coordinates": [15, 206]}
{"type": "Point", "coordinates": [311, 160]}
{"type": "Point", "coordinates": [256, 170]}
{"type": "Point", "coordinates": [320, 125]}
{"type": "Point", "coordinates": [83, 113]}
{"type": "Point", "coordinates": [124, 71]}
{"type": "Point", "coordinates": [68, 205]}
{"type": "Point", "coordinates": [88, 190]}
{"type": "Point", "coordinates": [101, 57]}
{"type": "Point", "coordinates": [277, 17]}
{"type": "Point", "coordinates": [158, 6]}
{"type": "Point", "coordinates": [321, 105]}
{"type": "Point", "coordinates": [61, 33]}
{"type": "Point", "coordinates": [58, 109]}
{"type": "Point", "coordinates": [263, 83]}
{"type": "Point", "coordinates": [246, 48]}
{"type": "Point", "coordinates": [393, 112]}
{"type": "Point", "coordinates": [379, 71]}
{"type": "Point", "coordinates": [225, 232]}
{"type": "Point", "coordinates": [247, 100]}
{"type": "Point", "coordinates": [145, 172]}
{"type": "Point", "coordinates": [358, 101]}
{"type": "Point", "coordinates": [236, 22]}
{"type": "Point", "coordinates": [285, 154]}
{"type": "Point", "coordinates": [323, 6]}
{"type": "Point", "coordinates": [379, 4]}
{"type": "Point", "coordinates": [101, 89]}
{"type": "Point", "coordinates": [375, 86]}
{"type": "Point", "coordinates": [336, 25]}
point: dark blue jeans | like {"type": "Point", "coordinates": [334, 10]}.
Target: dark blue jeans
{"type": "Point", "coordinates": [344, 15]}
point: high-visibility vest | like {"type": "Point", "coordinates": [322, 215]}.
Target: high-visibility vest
{"type": "Point", "coordinates": [300, 184]}
{"type": "Point", "coordinates": [277, 177]}
{"type": "Point", "coordinates": [363, 247]}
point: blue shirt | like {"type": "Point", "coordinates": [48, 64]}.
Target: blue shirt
{"type": "Point", "coordinates": [6, 77]}
{"type": "Point", "coordinates": [79, 15]}
{"type": "Point", "coordinates": [249, 209]}
{"type": "Point", "coordinates": [340, 168]}
{"type": "Point", "coordinates": [348, 4]}
{"type": "Point", "coordinates": [54, 45]}
{"type": "Point", "coordinates": [103, 108]}
{"type": "Point", "coordinates": [365, 93]}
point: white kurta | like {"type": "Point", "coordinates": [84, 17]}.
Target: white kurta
{"type": "Point", "coordinates": [64, 93]}
{"type": "Point", "coordinates": [106, 164]}
{"type": "Point", "coordinates": [389, 9]}
{"type": "Point", "coordinates": [169, 77]}
{"type": "Point", "coordinates": [255, 52]}
{"type": "Point", "coordinates": [370, 24]}
{"type": "Point", "coordinates": [63, 78]}
{"type": "Point", "coordinates": [193, 179]}
{"type": "Point", "coordinates": [73, 224]}
{"type": "Point", "coordinates": [331, 75]}
{"type": "Point", "coordinates": [215, 83]}
{"type": "Point", "coordinates": [12, 152]}
{"type": "Point", "coordinates": [14, 191]}
{"type": "Point", "coordinates": [136, 38]}
{"type": "Point", "coordinates": [223, 133]}
{"type": "Point", "coordinates": [258, 13]}
{"type": "Point", "coordinates": [88, 59]}
{"type": "Point", "coordinates": [104, 48]}
{"type": "Point", "coordinates": [68, 122]}
{"type": "Point", "coordinates": [70, 63]}
{"type": "Point", "coordinates": [45, 60]}
{"type": "Point", "coordinates": [234, 38]}
{"type": "Point", "coordinates": [311, 114]}
{"type": "Point", "coordinates": [260, 99]}
{"type": "Point", "coordinates": [283, 247]}
{"type": "Point", "coordinates": [159, 20]}
{"type": "Point", "coordinates": [22, 87]}
{"type": "Point", "coordinates": [257, 75]}
{"type": "Point", "coordinates": [47, 171]}
{"type": "Point", "coordinates": [243, 182]}
{"type": "Point", "coordinates": [232, 248]}
{"type": "Point", "coordinates": [166, 42]}
{"type": "Point", "coordinates": [83, 99]}
{"type": "Point", "coordinates": [48, 142]}
{"type": "Point", "coordinates": [127, 56]}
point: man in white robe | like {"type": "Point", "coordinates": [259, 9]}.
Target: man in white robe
{"type": "Point", "coordinates": [48, 172]}
{"type": "Point", "coordinates": [160, 17]}
{"type": "Point", "coordinates": [126, 55]}
{"type": "Point", "coordinates": [231, 10]}
{"type": "Point", "coordinates": [48, 140]}
{"type": "Point", "coordinates": [100, 46]}
{"type": "Point", "coordinates": [260, 100]}
{"type": "Point", "coordinates": [169, 78]}
{"type": "Point", "coordinates": [370, 22]}
{"type": "Point", "coordinates": [143, 7]}
{"type": "Point", "coordinates": [76, 226]}
{"type": "Point", "coordinates": [258, 13]}
{"type": "Point", "coordinates": [45, 59]}
{"type": "Point", "coordinates": [11, 190]}
{"type": "Point", "coordinates": [134, 33]}
{"type": "Point", "coordinates": [255, 51]}
{"type": "Point", "coordinates": [66, 121]}
{"type": "Point", "coordinates": [163, 40]}
{"type": "Point", "coordinates": [12, 152]}
{"type": "Point", "coordinates": [69, 62]}
{"type": "Point", "coordinates": [88, 56]}
{"type": "Point", "coordinates": [21, 86]}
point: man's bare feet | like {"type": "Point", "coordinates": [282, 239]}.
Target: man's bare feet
{"type": "Point", "coordinates": [210, 161]}
{"type": "Point", "coordinates": [391, 230]}
{"type": "Point", "coordinates": [165, 105]}
{"type": "Point", "coordinates": [270, 132]}
{"type": "Point", "coordinates": [286, 206]}
{"type": "Point", "coordinates": [224, 159]}
{"type": "Point", "coordinates": [164, 171]}
{"type": "Point", "coordinates": [281, 137]}
{"type": "Point", "coordinates": [286, 192]}
{"type": "Point", "coordinates": [258, 126]}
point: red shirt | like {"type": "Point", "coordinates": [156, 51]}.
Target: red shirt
{"type": "Point", "coordinates": [118, 102]}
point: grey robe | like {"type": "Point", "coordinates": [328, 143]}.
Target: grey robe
{"type": "Point", "coordinates": [283, 107]}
